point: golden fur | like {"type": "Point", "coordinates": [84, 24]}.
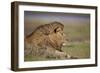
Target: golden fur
{"type": "Point", "coordinates": [46, 40]}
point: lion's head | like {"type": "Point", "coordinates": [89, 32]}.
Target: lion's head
{"type": "Point", "coordinates": [49, 34]}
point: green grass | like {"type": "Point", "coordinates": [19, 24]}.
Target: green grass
{"type": "Point", "coordinates": [78, 49]}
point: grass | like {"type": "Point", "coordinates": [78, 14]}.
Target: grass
{"type": "Point", "coordinates": [78, 49]}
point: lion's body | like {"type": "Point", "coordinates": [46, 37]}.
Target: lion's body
{"type": "Point", "coordinates": [46, 40]}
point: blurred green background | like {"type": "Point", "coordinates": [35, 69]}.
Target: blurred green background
{"type": "Point", "coordinates": [76, 28]}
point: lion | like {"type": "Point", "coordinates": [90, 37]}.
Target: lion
{"type": "Point", "coordinates": [47, 41]}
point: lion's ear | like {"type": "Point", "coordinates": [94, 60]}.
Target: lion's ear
{"type": "Point", "coordinates": [57, 29]}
